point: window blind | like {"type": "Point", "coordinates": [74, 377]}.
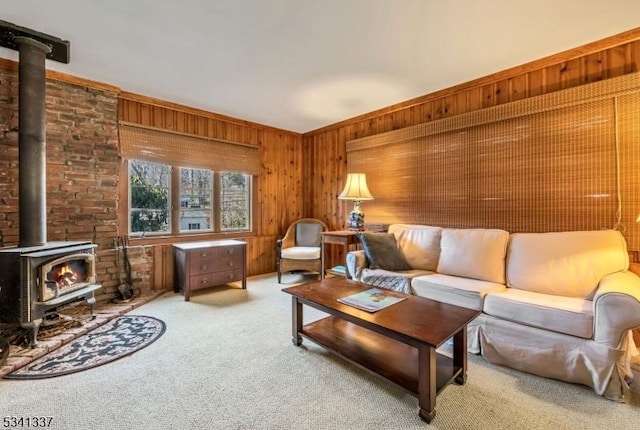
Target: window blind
{"type": "Point", "coordinates": [568, 160]}
{"type": "Point", "coordinates": [174, 148]}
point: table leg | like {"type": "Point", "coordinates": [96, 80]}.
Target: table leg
{"type": "Point", "coordinates": [297, 321]}
{"type": "Point", "coordinates": [427, 383]}
{"type": "Point", "coordinates": [460, 355]}
{"type": "Point", "coordinates": [322, 259]}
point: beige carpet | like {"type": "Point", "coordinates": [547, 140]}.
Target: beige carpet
{"type": "Point", "coordinates": [226, 361]}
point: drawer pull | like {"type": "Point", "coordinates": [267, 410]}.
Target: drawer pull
{"type": "Point", "coordinates": [204, 281]}
{"type": "Point", "coordinates": [203, 254]}
{"type": "Point", "coordinates": [231, 263]}
{"type": "Point", "coordinates": [204, 267]}
{"type": "Point", "coordinates": [231, 250]}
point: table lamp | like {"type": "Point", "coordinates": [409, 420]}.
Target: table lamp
{"type": "Point", "coordinates": [356, 189]}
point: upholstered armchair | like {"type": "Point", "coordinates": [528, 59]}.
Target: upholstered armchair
{"type": "Point", "coordinates": [300, 247]}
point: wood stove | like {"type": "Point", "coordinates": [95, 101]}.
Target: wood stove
{"type": "Point", "coordinates": [37, 279]}
{"type": "Point", "coordinates": [37, 276]}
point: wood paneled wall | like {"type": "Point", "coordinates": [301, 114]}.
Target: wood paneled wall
{"type": "Point", "coordinates": [325, 148]}
{"type": "Point", "coordinates": [279, 186]}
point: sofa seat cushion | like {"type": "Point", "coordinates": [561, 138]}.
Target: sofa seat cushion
{"type": "Point", "coordinates": [420, 244]}
{"type": "Point", "coordinates": [568, 315]}
{"type": "Point", "coordinates": [301, 253]}
{"type": "Point", "coordinates": [455, 290]}
{"type": "Point", "coordinates": [474, 253]}
{"type": "Point", "coordinates": [396, 281]}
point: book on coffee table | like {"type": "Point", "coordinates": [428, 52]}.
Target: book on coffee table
{"type": "Point", "coordinates": [371, 300]}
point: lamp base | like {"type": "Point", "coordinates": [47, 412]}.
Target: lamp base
{"type": "Point", "coordinates": [356, 221]}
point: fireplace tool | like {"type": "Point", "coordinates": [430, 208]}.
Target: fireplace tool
{"type": "Point", "coordinates": [125, 285]}
{"type": "Point", "coordinates": [4, 349]}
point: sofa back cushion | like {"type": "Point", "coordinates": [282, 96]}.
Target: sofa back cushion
{"type": "Point", "coordinates": [420, 244]}
{"type": "Point", "coordinates": [474, 253]}
{"type": "Point", "coordinates": [567, 264]}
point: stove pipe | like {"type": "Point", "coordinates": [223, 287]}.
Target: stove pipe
{"type": "Point", "coordinates": [32, 148]}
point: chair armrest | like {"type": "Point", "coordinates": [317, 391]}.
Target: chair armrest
{"type": "Point", "coordinates": [356, 262]}
{"type": "Point", "coordinates": [616, 307]}
{"type": "Point", "coordinates": [289, 239]}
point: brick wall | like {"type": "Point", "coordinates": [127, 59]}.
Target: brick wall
{"type": "Point", "coordinates": [8, 158]}
{"type": "Point", "coordinates": [82, 174]}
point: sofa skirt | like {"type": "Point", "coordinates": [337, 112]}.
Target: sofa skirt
{"type": "Point", "coordinates": [554, 355]}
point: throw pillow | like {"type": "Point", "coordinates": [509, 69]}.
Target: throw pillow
{"type": "Point", "coordinates": [382, 251]}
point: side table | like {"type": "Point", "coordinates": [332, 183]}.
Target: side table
{"type": "Point", "coordinates": [344, 238]}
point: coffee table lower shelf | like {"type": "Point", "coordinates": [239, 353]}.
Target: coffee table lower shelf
{"type": "Point", "coordinates": [395, 361]}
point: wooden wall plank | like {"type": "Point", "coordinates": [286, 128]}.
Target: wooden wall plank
{"type": "Point", "coordinates": [593, 68]}
{"type": "Point", "coordinates": [519, 88]}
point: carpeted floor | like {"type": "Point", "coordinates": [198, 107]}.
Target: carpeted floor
{"type": "Point", "coordinates": [226, 361]}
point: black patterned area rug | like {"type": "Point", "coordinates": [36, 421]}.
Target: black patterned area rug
{"type": "Point", "coordinates": [119, 337]}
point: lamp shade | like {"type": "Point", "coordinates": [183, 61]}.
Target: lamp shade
{"type": "Point", "coordinates": [356, 188]}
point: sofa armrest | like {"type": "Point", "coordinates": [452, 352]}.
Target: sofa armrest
{"type": "Point", "coordinates": [356, 262]}
{"type": "Point", "coordinates": [616, 307]}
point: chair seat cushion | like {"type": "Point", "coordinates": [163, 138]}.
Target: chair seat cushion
{"type": "Point", "coordinates": [455, 290]}
{"type": "Point", "coordinates": [568, 315]}
{"type": "Point", "coordinates": [301, 253]}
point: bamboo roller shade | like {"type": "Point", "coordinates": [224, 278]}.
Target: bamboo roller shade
{"type": "Point", "coordinates": [161, 146]}
{"type": "Point", "coordinates": [568, 160]}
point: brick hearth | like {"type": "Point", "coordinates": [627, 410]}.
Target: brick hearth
{"type": "Point", "coordinates": [103, 312]}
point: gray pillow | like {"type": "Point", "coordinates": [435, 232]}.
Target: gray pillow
{"type": "Point", "coordinates": [382, 251]}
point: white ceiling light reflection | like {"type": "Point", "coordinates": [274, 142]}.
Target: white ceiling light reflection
{"type": "Point", "coordinates": [341, 98]}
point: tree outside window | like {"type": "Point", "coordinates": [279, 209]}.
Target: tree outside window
{"type": "Point", "coordinates": [196, 199]}
{"type": "Point", "coordinates": [235, 201]}
{"type": "Point", "coordinates": [149, 185]}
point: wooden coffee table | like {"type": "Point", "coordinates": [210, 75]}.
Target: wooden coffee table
{"type": "Point", "coordinates": [398, 343]}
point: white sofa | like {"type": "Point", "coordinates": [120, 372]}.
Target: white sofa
{"type": "Point", "coordinates": [558, 305]}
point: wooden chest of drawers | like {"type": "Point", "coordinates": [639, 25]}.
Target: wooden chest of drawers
{"type": "Point", "coordinates": [209, 263]}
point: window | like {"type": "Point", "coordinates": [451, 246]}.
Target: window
{"type": "Point", "coordinates": [205, 201]}
{"type": "Point", "coordinates": [196, 199]}
{"type": "Point", "coordinates": [187, 184]}
{"type": "Point", "coordinates": [235, 210]}
{"type": "Point", "coordinates": [149, 191]}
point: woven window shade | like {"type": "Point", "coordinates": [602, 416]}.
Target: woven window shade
{"type": "Point", "coordinates": [160, 146]}
{"type": "Point", "coordinates": [569, 160]}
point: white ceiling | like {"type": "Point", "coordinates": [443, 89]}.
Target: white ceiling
{"type": "Point", "coordinates": [303, 64]}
